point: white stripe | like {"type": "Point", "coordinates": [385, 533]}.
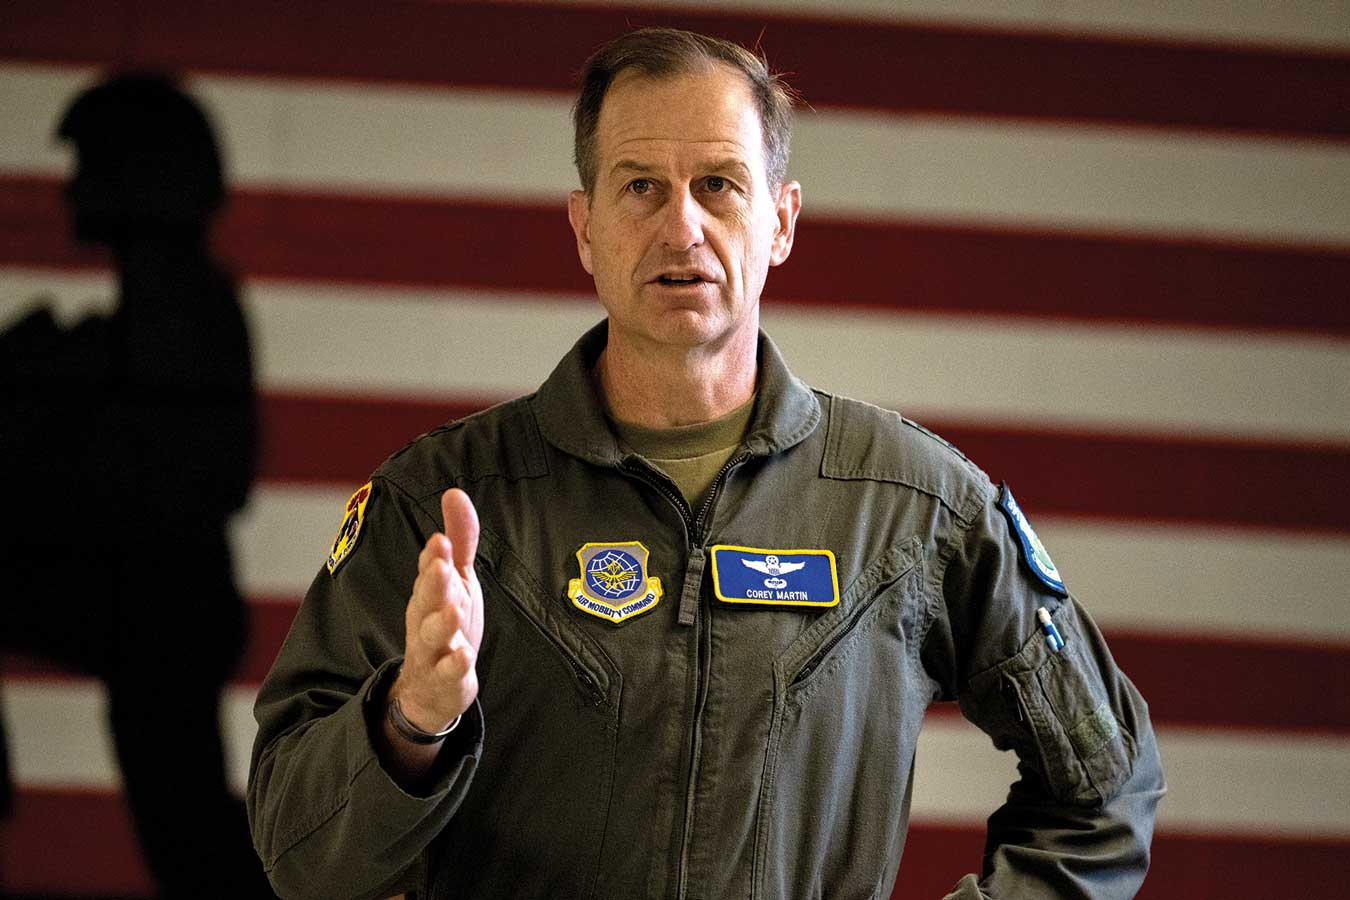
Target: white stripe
{"type": "Point", "coordinates": [984, 370]}
{"type": "Point", "coordinates": [1174, 580]}
{"type": "Point", "coordinates": [499, 145]}
{"type": "Point", "coordinates": [1305, 23]}
{"type": "Point", "coordinates": [1072, 176]}
{"type": "Point", "coordinates": [58, 734]}
{"type": "Point", "coordinates": [1136, 378]}
{"type": "Point", "coordinates": [1295, 785]}
{"type": "Point", "coordinates": [1254, 784]}
{"type": "Point", "coordinates": [281, 538]}
{"type": "Point", "coordinates": [1203, 580]}
{"type": "Point", "coordinates": [32, 100]}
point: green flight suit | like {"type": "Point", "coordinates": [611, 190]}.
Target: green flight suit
{"type": "Point", "coordinates": [699, 749]}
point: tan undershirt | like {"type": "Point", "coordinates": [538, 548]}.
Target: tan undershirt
{"type": "Point", "coordinates": [691, 455]}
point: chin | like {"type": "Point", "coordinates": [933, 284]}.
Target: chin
{"type": "Point", "coordinates": [688, 328]}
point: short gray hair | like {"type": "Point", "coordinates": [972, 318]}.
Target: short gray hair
{"type": "Point", "coordinates": [661, 53]}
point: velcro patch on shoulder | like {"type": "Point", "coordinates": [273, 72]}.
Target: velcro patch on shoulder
{"type": "Point", "coordinates": [352, 519]}
{"type": "Point", "coordinates": [1033, 551]}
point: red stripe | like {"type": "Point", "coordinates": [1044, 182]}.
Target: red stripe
{"type": "Point", "coordinates": [897, 266]}
{"type": "Point", "coordinates": [1189, 681]}
{"type": "Point", "coordinates": [1200, 867]}
{"type": "Point", "coordinates": [77, 843]}
{"type": "Point", "coordinates": [1223, 682]}
{"type": "Point", "coordinates": [1194, 480]}
{"type": "Point", "coordinates": [341, 440]}
{"type": "Point", "coordinates": [1201, 681]}
{"type": "Point", "coordinates": [80, 843]}
{"type": "Point", "coordinates": [895, 67]}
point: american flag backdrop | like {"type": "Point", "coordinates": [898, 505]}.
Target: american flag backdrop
{"type": "Point", "coordinates": [1102, 246]}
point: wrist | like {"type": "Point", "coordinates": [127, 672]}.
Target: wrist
{"type": "Point", "coordinates": [412, 732]}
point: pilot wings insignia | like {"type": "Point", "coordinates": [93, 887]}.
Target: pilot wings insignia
{"type": "Point", "coordinates": [773, 568]}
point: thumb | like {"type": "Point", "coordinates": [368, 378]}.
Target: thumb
{"type": "Point", "coordinates": [461, 527]}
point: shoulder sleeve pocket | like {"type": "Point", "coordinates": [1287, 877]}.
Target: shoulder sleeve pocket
{"type": "Point", "coordinates": [1053, 709]}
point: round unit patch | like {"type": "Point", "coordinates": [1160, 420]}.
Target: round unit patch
{"type": "Point", "coordinates": [1033, 551]}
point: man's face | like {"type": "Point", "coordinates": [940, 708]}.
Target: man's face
{"type": "Point", "coordinates": [682, 227]}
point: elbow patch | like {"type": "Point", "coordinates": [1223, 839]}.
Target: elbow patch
{"type": "Point", "coordinates": [1054, 710]}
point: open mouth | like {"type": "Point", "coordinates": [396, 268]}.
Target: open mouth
{"type": "Point", "coordinates": [678, 281]}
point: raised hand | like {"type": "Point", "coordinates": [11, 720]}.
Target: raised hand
{"type": "Point", "coordinates": [444, 623]}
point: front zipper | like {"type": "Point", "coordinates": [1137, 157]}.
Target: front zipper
{"type": "Point", "coordinates": [695, 527]}
{"type": "Point", "coordinates": [711, 499]}
{"type": "Point", "coordinates": [696, 532]}
{"type": "Point", "coordinates": [642, 473]}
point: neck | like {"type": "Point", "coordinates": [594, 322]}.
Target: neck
{"type": "Point", "coordinates": [145, 255]}
{"type": "Point", "coordinates": [667, 387]}
{"type": "Point", "coordinates": [157, 270]}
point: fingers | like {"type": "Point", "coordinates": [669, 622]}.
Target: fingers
{"type": "Point", "coordinates": [437, 627]}
{"type": "Point", "coordinates": [444, 619]}
{"type": "Point", "coordinates": [437, 547]}
{"type": "Point", "coordinates": [458, 665]}
{"type": "Point", "coordinates": [461, 527]}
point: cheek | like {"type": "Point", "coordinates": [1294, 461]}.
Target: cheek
{"type": "Point", "coordinates": [751, 254]}
{"type": "Point", "coordinates": [617, 239]}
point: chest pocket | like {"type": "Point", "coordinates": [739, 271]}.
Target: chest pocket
{"type": "Point", "coordinates": [871, 600]}
{"type": "Point", "coordinates": [835, 772]}
{"type": "Point", "coordinates": [543, 685]}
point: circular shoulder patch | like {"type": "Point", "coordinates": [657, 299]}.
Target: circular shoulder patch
{"type": "Point", "coordinates": [1033, 551]}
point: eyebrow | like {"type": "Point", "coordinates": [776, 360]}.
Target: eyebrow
{"type": "Point", "coordinates": [631, 165]}
{"type": "Point", "coordinates": [730, 165]}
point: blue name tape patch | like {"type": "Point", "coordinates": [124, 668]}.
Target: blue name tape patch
{"type": "Point", "coordinates": [774, 577]}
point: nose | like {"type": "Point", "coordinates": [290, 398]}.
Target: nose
{"type": "Point", "coordinates": [682, 228]}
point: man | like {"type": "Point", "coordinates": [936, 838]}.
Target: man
{"type": "Point", "coordinates": [593, 689]}
{"type": "Point", "coordinates": [143, 419]}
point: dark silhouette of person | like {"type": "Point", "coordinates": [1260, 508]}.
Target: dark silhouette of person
{"type": "Point", "coordinates": [129, 440]}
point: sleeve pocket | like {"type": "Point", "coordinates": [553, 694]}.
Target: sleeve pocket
{"type": "Point", "coordinates": [1060, 720]}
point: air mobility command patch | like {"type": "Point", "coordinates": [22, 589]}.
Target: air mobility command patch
{"type": "Point", "coordinates": [774, 577]}
{"type": "Point", "coordinates": [614, 584]}
{"type": "Point", "coordinates": [1033, 551]}
{"type": "Point", "coordinates": [352, 520]}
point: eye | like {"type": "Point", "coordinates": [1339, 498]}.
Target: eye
{"type": "Point", "coordinates": [717, 184]}
{"type": "Point", "coordinates": [639, 186]}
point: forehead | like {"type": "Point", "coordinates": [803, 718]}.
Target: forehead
{"type": "Point", "coordinates": [710, 111]}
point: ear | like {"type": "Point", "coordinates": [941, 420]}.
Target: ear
{"type": "Point", "coordinates": [788, 204]}
{"type": "Point", "coordinates": [579, 214]}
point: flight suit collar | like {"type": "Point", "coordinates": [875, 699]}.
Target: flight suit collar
{"type": "Point", "coordinates": [571, 414]}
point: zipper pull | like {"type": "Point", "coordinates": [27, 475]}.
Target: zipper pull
{"type": "Point", "coordinates": [1010, 697]}
{"type": "Point", "coordinates": [693, 587]}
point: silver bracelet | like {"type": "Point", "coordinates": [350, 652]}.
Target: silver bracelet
{"type": "Point", "coordinates": [410, 732]}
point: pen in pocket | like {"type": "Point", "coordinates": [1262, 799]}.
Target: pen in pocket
{"type": "Point", "coordinates": [1052, 635]}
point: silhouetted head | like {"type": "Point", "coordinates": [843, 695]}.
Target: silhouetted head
{"type": "Point", "coordinates": [147, 159]}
